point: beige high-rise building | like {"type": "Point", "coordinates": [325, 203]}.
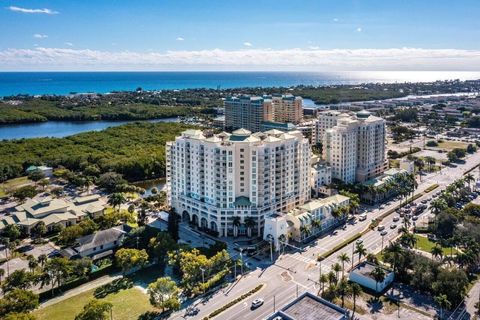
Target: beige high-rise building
{"type": "Point", "coordinates": [355, 146]}
{"type": "Point", "coordinates": [247, 112]}
{"type": "Point", "coordinates": [287, 108]}
{"type": "Point", "coordinates": [213, 179]}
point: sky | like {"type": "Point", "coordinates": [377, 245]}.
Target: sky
{"type": "Point", "coordinates": [313, 35]}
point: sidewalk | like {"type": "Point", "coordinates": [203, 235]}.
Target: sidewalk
{"type": "Point", "coordinates": [84, 287]}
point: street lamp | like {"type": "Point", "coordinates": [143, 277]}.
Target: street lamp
{"type": "Point", "coordinates": [241, 260]}
{"type": "Point", "coordinates": [203, 278]}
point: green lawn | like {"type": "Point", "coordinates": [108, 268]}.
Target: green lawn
{"type": "Point", "coordinates": [12, 184]}
{"type": "Point", "coordinates": [424, 244]}
{"type": "Point", "coordinates": [127, 304]}
{"type": "Point", "coordinates": [449, 145]}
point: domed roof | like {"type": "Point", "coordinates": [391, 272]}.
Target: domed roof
{"type": "Point", "coordinates": [363, 114]}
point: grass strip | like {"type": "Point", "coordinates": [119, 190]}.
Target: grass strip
{"type": "Point", "coordinates": [234, 302]}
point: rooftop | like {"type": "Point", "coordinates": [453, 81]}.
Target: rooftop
{"type": "Point", "coordinates": [310, 307]}
{"type": "Point", "coordinates": [365, 269]}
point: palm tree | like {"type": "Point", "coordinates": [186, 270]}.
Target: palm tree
{"type": "Point", "coordinates": [249, 223]}
{"type": "Point", "coordinates": [32, 263]}
{"type": "Point", "coordinates": [236, 224]}
{"type": "Point", "coordinates": [360, 250]}
{"type": "Point", "coordinates": [336, 268]}
{"type": "Point", "coordinates": [316, 224]}
{"type": "Point", "coordinates": [304, 232]}
{"type": "Point", "coordinates": [437, 252]}
{"type": "Point", "coordinates": [116, 200]}
{"type": "Point", "coordinates": [323, 280]}
{"type": "Point", "coordinates": [331, 278]}
{"type": "Point", "coordinates": [408, 239]}
{"type": "Point", "coordinates": [372, 258]}
{"type": "Point", "coordinates": [42, 259]}
{"type": "Point", "coordinates": [356, 291]}
{"type": "Point", "coordinates": [378, 274]}
{"type": "Point", "coordinates": [344, 290]}
{"type": "Point", "coordinates": [469, 179]}
{"type": "Point", "coordinates": [343, 258]}
{"type": "Point", "coordinates": [438, 205]}
{"type": "Point", "coordinates": [443, 303]}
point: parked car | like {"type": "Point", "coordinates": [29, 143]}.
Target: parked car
{"type": "Point", "coordinates": [393, 226]}
{"type": "Point", "coordinates": [257, 303]}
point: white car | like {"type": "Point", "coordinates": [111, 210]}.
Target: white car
{"type": "Point", "coordinates": [396, 218]}
{"type": "Point", "coordinates": [257, 303]}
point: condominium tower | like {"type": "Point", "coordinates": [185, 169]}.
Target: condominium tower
{"type": "Point", "coordinates": [211, 180]}
{"type": "Point", "coordinates": [250, 112]}
{"type": "Point", "coordinates": [355, 146]}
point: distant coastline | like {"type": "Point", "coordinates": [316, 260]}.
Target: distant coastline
{"type": "Point", "coordinates": [64, 83]}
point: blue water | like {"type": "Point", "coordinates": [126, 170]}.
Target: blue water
{"type": "Point", "coordinates": [33, 83]}
{"type": "Point", "coordinates": [60, 128]}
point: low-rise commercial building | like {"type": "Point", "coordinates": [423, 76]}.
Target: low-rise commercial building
{"type": "Point", "coordinates": [310, 307]}
{"type": "Point", "coordinates": [363, 275]}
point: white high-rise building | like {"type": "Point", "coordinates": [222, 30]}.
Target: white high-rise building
{"type": "Point", "coordinates": [211, 180]}
{"type": "Point", "coordinates": [355, 146]}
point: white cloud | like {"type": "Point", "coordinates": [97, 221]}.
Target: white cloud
{"type": "Point", "coordinates": [359, 29]}
{"type": "Point", "coordinates": [40, 36]}
{"type": "Point", "coordinates": [335, 19]}
{"type": "Point", "coordinates": [42, 58]}
{"type": "Point", "coordinates": [180, 39]}
{"type": "Point", "coordinates": [27, 10]}
{"type": "Point", "coordinates": [69, 44]}
{"type": "Point", "coordinates": [247, 44]}
{"type": "Point", "coordinates": [313, 47]}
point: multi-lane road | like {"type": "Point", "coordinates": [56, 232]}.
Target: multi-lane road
{"type": "Point", "coordinates": [297, 271]}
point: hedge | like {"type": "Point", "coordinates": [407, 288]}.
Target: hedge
{"type": "Point", "coordinates": [339, 246]}
{"type": "Point", "coordinates": [234, 302]}
{"type": "Point", "coordinates": [431, 188]}
{"type": "Point", "coordinates": [45, 295]}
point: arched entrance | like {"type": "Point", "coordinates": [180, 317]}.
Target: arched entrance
{"type": "Point", "coordinates": [204, 223]}
{"type": "Point", "coordinates": [185, 216]}
{"type": "Point", "coordinates": [213, 226]}
{"type": "Point", "coordinates": [195, 219]}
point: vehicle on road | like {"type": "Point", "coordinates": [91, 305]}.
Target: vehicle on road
{"type": "Point", "coordinates": [415, 218]}
{"type": "Point", "coordinates": [393, 226]}
{"type": "Point", "coordinates": [359, 241]}
{"type": "Point", "coordinates": [383, 233]}
{"type": "Point", "coordinates": [381, 227]}
{"type": "Point", "coordinates": [396, 218]}
{"type": "Point", "coordinates": [257, 303]}
{"type": "Point", "coordinates": [363, 217]}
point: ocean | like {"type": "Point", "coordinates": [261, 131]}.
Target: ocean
{"type": "Point", "coordinates": [62, 83]}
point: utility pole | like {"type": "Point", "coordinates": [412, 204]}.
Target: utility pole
{"type": "Point", "coordinates": [271, 250]}
{"type": "Point", "coordinates": [273, 303]}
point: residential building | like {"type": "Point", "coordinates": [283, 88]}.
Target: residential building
{"type": "Point", "coordinates": [285, 127]}
{"type": "Point", "coordinates": [308, 306]}
{"type": "Point", "coordinates": [54, 212]}
{"type": "Point", "coordinates": [250, 112]}
{"type": "Point", "coordinates": [98, 245]}
{"type": "Point", "coordinates": [213, 179]}
{"type": "Point", "coordinates": [247, 112]}
{"type": "Point", "coordinates": [325, 120]}
{"type": "Point", "coordinates": [321, 178]}
{"type": "Point", "coordinates": [381, 185]}
{"type": "Point", "coordinates": [291, 224]}
{"type": "Point", "coordinates": [362, 274]}
{"type": "Point", "coordinates": [287, 108]}
{"type": "Point", "coordinates": [354, 146]}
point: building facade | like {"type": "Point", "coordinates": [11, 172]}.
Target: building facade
{"type": "Point", "coordinates": [212, 180]}
{"type": "Point", "coordinates": [354, 146]}
{"type": "Point", "coordinates": [287, 108]}
{"type": "Point", "coordinates": [247, 112]}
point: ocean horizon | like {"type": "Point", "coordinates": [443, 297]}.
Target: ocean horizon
{"type": "Point", "coordinates": [63, 83]}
